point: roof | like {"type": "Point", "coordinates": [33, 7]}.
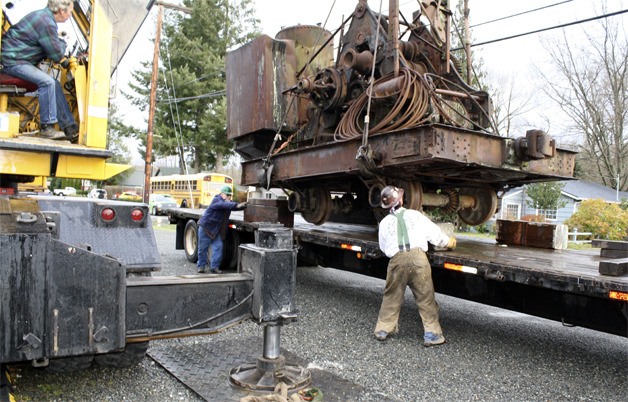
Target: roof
{"type": "Point", "coordinates": [581, 190]}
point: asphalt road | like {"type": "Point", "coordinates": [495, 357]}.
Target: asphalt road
{"type": "Point", "coordinates": [491, 354]}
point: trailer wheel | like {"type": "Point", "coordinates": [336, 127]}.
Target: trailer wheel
{"type": "Point", "coordinates": [133, 354]}
{"type": "Point", "coordinates": [69, 364]}
{"type": "Point", "coordinates": [190, 241]}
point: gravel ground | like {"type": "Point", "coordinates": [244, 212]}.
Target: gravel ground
{"type": "Point", "coordinates": [491, 354]}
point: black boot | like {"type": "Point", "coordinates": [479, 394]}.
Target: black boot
{"type": "Point", "coordinates": [72, 133]}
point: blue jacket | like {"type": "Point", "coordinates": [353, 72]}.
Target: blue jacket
{"type": "Point", "coordinates": [216, 217]}
{"type": "Point", "coordinates": [32, 39]}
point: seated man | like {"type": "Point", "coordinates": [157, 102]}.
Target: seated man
{"type": "Point", "coordinates": [24, 46]}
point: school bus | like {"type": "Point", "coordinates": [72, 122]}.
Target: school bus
{"type": "Point", "coordinates": [191, 190]}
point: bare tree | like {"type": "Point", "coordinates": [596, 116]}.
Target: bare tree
{"type": "Point", "coordinates": [510, 105]}
{"type": "Point", "coordinates": [592, 89]}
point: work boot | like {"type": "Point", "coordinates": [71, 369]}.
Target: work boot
{"type": "Point", "coordinates": [72, 133]}
{"type": "Point", "coordinates": [381, 335]}
{"type": "Point", "coordinates": [432, 339]}
{"type": "Point", "coordinates": [48, 131]}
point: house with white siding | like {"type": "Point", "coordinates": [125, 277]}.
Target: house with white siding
{"type": "Point", "coordinates": [515, 203]}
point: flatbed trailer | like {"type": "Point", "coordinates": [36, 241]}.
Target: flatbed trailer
{"type": "Point", "coordinates": [561, 285]}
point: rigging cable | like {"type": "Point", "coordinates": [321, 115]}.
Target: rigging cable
{"type": "Point", "coordinates": [177, 124]}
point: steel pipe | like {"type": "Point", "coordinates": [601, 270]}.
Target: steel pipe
{"type": "Point", "coordinates": [271, 341]}
{"type": "Point", "coordinates": [458, 94]}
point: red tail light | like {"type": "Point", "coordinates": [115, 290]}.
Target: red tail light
{"type": "Point", "coordinates": [137, 215]}
{"type": "Point", "coordinates": [107, 214]}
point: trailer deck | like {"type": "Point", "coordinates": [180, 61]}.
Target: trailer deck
{"type": "Point", "coordinates": [563, 285]}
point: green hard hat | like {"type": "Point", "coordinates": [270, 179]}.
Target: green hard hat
{"type": "Point", "coordinates": [226, 190]}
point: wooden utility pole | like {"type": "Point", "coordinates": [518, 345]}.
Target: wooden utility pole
{"type": "Point", "coordinates": [148, 167]}
{"type": "Point", "coordinates": [467, 41]}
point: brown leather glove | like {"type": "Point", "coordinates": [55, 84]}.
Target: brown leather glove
{"type": "Point", "coordinates": [452, 243]}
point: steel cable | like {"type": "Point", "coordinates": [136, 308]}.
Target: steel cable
{"type": "Point", "coordinates": [410, 108]}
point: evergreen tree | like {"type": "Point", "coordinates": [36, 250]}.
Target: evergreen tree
{"type": "Point", "coordinates": [117, 132]}
{"type": "Point", "coordinates": [545, 195]}
{"type": "Point", "coordinates": [190, 114]}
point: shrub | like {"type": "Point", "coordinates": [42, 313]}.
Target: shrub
{"type": "Point", "coordinates": [605, 221]}
{"type": "Point", "coordinates": [533, 218]}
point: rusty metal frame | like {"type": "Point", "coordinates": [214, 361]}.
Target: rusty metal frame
{"type": "Point", "coordinates": [449, 155]}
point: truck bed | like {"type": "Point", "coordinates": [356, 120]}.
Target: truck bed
{"type": "Point", "coordinates": [563, 285]}
{"type": "Point", "coordinates": [576, 269]}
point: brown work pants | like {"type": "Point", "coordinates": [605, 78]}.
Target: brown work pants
{"type": "Point", "coordinates": [408, 268]}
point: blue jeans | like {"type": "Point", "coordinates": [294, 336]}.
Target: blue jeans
{"type": "Point", "coordinates": [48, 89]}
{"type": "Point", "coordinates": [204, 242]}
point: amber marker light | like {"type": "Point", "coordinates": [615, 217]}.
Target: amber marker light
{"type": "Point", "coordinates": [614, 294]}
{"type": "Point", "coordinates": [461, 268]}
{"type": "Point", "coordinates": [107, 214]}
{"type": "Point", "coordinates": [137, 215]}
{"type": "Point", "coordinates": [345, 246]}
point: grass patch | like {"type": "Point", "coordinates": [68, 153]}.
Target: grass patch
{"type": "Point", "coordinates": [476, 234]}
{"type": "Point", "coordinates": [579, 246]}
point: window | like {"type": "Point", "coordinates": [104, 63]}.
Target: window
{"type": "Point", "coordinates": [511, 211]}
{"type": "Point", "coordinates": [549, 214]}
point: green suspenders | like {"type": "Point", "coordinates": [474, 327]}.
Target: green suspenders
{"type": "Point", "coordinates": [403, 240]}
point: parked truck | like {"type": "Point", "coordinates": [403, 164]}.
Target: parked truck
{"type": "Point", "coordinates": [390, 107]}
{"type": "Point", "coordinates": [64, 191]}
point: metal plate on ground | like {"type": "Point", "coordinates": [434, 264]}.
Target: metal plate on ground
{"type": "Point", "coordinates": [204, 368]}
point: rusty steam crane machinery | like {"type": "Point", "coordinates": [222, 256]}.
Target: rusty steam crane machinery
{"type": "Point", "coordinates": [390, 108]}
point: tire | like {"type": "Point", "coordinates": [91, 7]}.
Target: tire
{"type": "Point", "coordinates": [190, 241]}
{"type": "Point", "coordinates": [154, 211]}
{"type": "Point", "coordinates": [69, 364]}
{"type": "Point", "coordinates": [133, 354]}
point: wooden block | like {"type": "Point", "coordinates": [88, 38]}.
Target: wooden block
{"type": "Point", "coordinates": [610, 244]}
{"type": "Point", "coordinates": [545, 235]}
{"type": "Point", "coordinates": [269, 210]}
{"type": "Point", "coordinates": [608, 253]}
{"type": "Point", "coordinates": [617, 267]}
{"type": "Point", "coordinates": [532, 234]}
{"type": "Point", "coordinates": [510, 232]}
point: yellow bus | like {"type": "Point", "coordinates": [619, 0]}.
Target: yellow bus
{"type": "Point", "coordinates": [191, 190]}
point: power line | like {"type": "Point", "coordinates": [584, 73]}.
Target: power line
{"type": "Point", "coordinates": [545, 29]}
{"type": "Point", "coordinates": [521, 13]}
{"type": "Point", "coordinates": [215, 94]}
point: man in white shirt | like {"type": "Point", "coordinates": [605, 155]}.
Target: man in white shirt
{"type": "Point", "coordinates": [403, 237]}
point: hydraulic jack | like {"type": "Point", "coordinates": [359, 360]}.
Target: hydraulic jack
{"type": "Point", "coordinates": [272, 263]}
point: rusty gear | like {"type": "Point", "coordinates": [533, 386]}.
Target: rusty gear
{"type": "Point", "coordinates": [454, 200]}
